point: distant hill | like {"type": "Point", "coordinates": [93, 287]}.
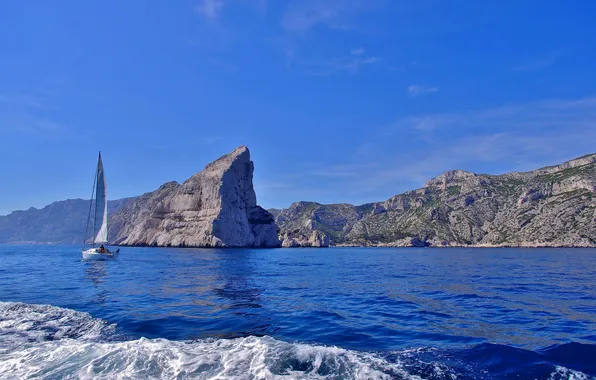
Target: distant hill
{"type": "Point", "coordinates": [552, 206]}
{"type": "Point", "coordinates": [61, 222]}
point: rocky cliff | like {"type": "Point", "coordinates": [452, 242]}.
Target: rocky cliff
{"type": "Point", "coordinates": [552, 206]}
{"type": "Point", "coordinates": [216, 207]}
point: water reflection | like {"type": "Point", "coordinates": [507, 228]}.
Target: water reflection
{"type": "Point", "coordinates": [237, 282]}
{"type": "Point", "coordinates": [197, 293]}
{"type": "Point", "coordinates": [96, 272]}
{"type": "Point", "coordinates": [238, 291]}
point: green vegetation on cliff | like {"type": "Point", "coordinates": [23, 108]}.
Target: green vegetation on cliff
{"type": "Point", "coordinates": [552, 206]}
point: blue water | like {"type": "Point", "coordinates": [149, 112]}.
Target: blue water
{"type": "Point", "coordinates": [301, 313]}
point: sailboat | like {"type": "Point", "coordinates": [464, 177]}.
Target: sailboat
{"type": "Point", "coordinates": [100, 217]}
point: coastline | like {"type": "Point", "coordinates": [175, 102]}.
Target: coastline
{"type": "Point", "coordinates": [343, 245]}
{"type": "Point", "coordinates": [504, 245]}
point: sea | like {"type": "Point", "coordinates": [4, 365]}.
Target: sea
{"type": "Point", "coordinates": [336, 313]}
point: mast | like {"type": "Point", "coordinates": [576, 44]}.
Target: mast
{"type": "Point", "coordinates": [90, 206]}
{"type": "Point", "coordinates": [96, 184]}
{"type": "Point", "coordinates": [101, 205]}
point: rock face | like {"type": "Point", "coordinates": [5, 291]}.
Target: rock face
{"type": "Point", "coordinates": [216, 207]}
{"type": "Point", "coordinates": [310, 224]}
{"type": "Point", "coordinates": [552, 206]}
{"type": "Point", "coordinates": [316, 239]}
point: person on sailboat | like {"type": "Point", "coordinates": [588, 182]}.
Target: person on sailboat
{"type": "Point", "coordinates": [102, 249]}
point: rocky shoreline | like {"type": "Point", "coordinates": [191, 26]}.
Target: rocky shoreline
{"type": "Point", "coordinates": [536, 246]}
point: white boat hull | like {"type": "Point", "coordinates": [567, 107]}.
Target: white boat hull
{"type": "Point", "coordinates": [95, 254]}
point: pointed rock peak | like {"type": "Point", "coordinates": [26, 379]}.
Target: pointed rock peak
{"type": "Point", "coordinates": [240, 153]}
{"type": "Point", "coordinates": [241, 150]}
{"type": "Point", "coordinates": [448, 177]}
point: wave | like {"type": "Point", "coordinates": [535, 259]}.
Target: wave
{"type": "Point", "coordinates": [49, 342]}
{"type": "Point", "coordinates": [21, 322]}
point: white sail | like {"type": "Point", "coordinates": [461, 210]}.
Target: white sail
{"type": "Point", "coordinates": [101, 205]}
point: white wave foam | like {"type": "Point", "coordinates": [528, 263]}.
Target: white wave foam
{"type": "Point", "coordinates": [50, 342]}
{"type": "Point", "coordinates": [22, 323]}
{"type": "Point", "coordinates": [242, 358]}
{"type": "Point", "coordinates": [568, 374]}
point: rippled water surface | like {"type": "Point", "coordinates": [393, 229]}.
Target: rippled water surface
{"type": "Point", "coordinates": [330, 313]}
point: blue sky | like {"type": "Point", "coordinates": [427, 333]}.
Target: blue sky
{"type": "Point", "coordinates": [338, 100]}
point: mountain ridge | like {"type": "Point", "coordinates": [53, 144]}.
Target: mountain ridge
{"type": "Point", "coordinates": [60, 222]}
{"type": "Point", "coordinates": [461, 208]}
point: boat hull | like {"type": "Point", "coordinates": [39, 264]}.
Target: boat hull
{"type": "Point", "coordinates": [94, 254]}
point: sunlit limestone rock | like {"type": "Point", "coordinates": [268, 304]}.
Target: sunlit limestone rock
{"type": "Point", "coordinates": [216, 207]}
{"type": "Point", "coordinates": [550, 207]}
{"type": "Point", "coordinates": [317, 239]}
{"type": "Point", "coordinates": [289, 243]}
{"type": "Point", "coordinates": [407, 242]}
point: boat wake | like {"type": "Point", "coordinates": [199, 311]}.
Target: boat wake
{"type": "Point", "coordinates": [45, 341]}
